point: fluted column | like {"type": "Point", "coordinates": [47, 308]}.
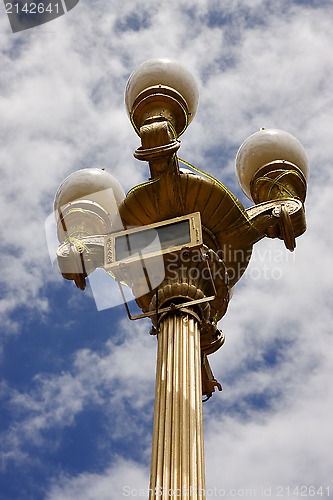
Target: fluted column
{"type": "Point", "coordinates": [177, 468]}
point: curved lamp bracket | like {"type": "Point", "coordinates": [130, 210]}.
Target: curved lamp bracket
{"type": "Point", "coordinates": [283, 218]}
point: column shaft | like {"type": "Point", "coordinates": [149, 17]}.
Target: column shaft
{"type": "Point", "coordinates": [177, 468]}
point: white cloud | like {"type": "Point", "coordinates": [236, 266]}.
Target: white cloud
{"type": "Point", "coordinates": [288, 444]}
{"type": "Point", "coordinates": [122, 479]}
{"type": "Point", "coordinates": [109, 380]}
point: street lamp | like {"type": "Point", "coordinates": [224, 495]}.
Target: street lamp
{"type": "Point", "coordinates": [181, 241]}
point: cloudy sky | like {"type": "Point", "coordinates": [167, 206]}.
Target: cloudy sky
{"type": "Point", "coordinates": [77, 384]}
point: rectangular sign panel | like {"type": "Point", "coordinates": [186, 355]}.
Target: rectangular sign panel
{"type": "Point", "coordinates": [152, 240]}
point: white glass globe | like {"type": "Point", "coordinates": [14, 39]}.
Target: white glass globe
{"type": "Point", "coordinates": [264, 147]}
{"type": "Point", "coordinates": [93, 184]}
{"type": "Point", "coordinates": [164, 72]}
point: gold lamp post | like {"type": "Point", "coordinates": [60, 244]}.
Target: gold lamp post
{"type": "Point", "coordinates": [181, 241]}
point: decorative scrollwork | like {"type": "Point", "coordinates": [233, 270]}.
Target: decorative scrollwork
{"type": "Point", "coordinates": [286, 228]}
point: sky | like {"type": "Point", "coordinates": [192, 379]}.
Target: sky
{"type": "Point", "coordinates": [77, 383]}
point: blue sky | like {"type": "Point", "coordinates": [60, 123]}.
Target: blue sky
{"type": "Point", "coordinates": [77, 386]}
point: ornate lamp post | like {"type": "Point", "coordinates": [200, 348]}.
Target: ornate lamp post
{"type": "Point", "coordinates": [181, 241]}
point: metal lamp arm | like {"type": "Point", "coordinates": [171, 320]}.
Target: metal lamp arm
{"type": "Point", "coordinates": [283, 218]}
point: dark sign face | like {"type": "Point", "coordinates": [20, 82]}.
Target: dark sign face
{"type": "Point", "coordinates": [24, 14]}
{"type": "Point", "coordinates": [153, 240]}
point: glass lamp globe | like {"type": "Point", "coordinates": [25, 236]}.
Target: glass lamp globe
{"type": "Point", "coordinates": [87, 202]}
{"type": "Point", "coordinates": [268, 150]}
{"type": "Point", "coordinates": [162, 87]}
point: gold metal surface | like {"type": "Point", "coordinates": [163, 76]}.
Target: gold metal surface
{"type": "Point", "coordinates": [221, 213]}
{"type": "Point", "coordinates": [208, 380]}
{"type": "Point", "coordinates": [160, 101]}
{"type": "Point", "coordinates": [177, 463]}
{"type": "Point", "coordinates": [158, 146]}
{"type": "Point", "coordinates": [278, 179]}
